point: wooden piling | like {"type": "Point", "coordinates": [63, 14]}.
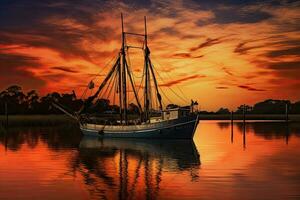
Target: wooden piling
{"type": "Point", "coordinates": [244, 113]}
{"type": "Point", "coordinates": [6, 114]}
{"type": "Point", "coordinates": [287, 134]}
{"type": "Point", "coordinates": [286, 112]}
{"type": "Point", "coordinates": [244, 136]}
{"type": "Point", "coordinates": [231, 126]}
{"type": "Point", "coordinates": [244, 126]}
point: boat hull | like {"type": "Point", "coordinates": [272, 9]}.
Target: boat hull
{"type": "Point", "coordinates": [173, 129]}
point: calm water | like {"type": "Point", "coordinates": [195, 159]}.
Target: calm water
{"type": "Point", "coordinates": [260, 161]}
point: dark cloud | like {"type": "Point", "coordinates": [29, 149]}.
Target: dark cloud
{"type": "Point", "coordinates": [16, 61]}
{"type": "Point", "coordinates": [57, 77]}
{"type": "Point", "coordinates": [64, 69]}
{"type": "Point", "coordinates": [25, 13]}
{"type": "Point", "coordinates": [241, 48]}
{"type": "Point", "coordinates": [234, 15]}
{"type": "Point", "coordinates": [167, 69]}
{"type": "Point", "coordinates": [290, 70]}
{"type": "Point", "coordinates": [231, 11]}
{"type": "Point", "coordinates": [216, 3]}
{"type": "Point", "coordinates": [285, 65]}
{"type": "Point", "coordinates": [185, 55]}
{"type": "Point", "coordinates": [14, 70]}
{"type": "Point", "coordinates": [207, 43]}
{"type": "Point", "coordinates": [182, 55]}
{"type": "Point", "coordinates": [169, 31]}
{"type": "Point", "coordinates": [221, 87]}
{"type": "Point", "coordinates": [293, 51]}
{"type": "Point", "coordinates": [250, 88]}
{"type": "Point", "coordinates": [281, 69]}
{"type": "Point", "coordinates": [227, 71]}
{"type": "Point", "coordinates": [44, 27]}
{"type": "Point", "coordinates": [184, 79]}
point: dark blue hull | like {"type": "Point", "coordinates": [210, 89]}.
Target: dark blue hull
{"type": "Point", "coordinates": [174, 129]}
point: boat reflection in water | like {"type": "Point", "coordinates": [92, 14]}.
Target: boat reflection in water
{"type": "Point", "coordinates": [134, 169]}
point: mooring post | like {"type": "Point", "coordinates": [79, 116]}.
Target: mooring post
{"type": "Point", "coordinates": [244, 126]}
{"type": "Point", "coordinates": [287, 134]}
{"type": "Point", "coordinates": [231, 126]}
{"type": "Point", "coordinates": [286, 112]}
{"type": "Point", "coordinates": [244, 137]}
{"type": "Point", "coordinates": [244, 113]}
{"type": "Point", "coordinates": [6, 114]}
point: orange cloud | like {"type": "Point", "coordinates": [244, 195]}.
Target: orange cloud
{"type": "Point", "coordinates": [181, 80]}
{"type": "Point", "coordinates": [234, 46]}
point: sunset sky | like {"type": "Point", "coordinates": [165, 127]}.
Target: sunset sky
{"type": "Point", "coordinates": [220, 53]}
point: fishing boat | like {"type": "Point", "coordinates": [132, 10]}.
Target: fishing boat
{"type": "Point", "coordinates": [168, 123]}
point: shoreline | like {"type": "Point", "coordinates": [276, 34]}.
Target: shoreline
{"type": "Point", "coordinates": [279, 117]}
{"type": "Point", "coordinates": [36, 120]}
{"type": "Point", "coordinates": [55, 120]}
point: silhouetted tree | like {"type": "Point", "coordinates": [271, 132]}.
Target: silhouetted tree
{"type": "Point", "coordinates": [270, 106]}
{"type": "Point", "coordinates": [240, 109]}
{"type": "Point", "coordinates": [32, 103]}
{"type": "Point", "coordinates": [223, 111]}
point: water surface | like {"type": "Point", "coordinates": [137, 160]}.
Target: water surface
{"type": "Point", "coordinates": [258, 161]}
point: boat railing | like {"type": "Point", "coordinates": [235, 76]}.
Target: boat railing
{"type": "Point", "coordinates": [137, 127]}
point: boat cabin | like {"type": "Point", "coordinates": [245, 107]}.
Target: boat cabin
{"type": "Point", "coordinates": [175, 113]}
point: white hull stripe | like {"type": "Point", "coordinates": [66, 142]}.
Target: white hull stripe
{"type": "Point", "coordinates": [138, 131]}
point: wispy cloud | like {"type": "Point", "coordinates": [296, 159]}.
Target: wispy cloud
{"type": "Point", "coordinates": [251, 88]}
{"type": "Point", "coordinates": [229, 42]}
{"type": "Point", "coordinates": [207, 43]}
{"type": "Point", "coordinates": [64, 69]}
{"type": "Point", "coordinates": [181, 80]}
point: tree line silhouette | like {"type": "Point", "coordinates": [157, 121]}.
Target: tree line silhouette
{"type": "Point", "coordinates": [31, 103]}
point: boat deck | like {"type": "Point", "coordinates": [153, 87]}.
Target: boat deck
{"type": "Point", "coordinates": [155, 125]}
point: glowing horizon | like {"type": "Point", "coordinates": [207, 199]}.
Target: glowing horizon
{"type": "Point", "coordinates": [220, 54]}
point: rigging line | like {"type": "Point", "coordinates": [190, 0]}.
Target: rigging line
{"type": "Point", "coordinates": [107, 87]}
{"type": "Point", "coordinates": [128, 68]}
{"type": "Point", "coordinates": [150, 92]}
{"type": "Point", "coordinates": [183, 95]}
{"type": "Point", "coordinates": [143, 75]}
{"type": "Point", "coordinates": [114, 81]}
{"type": "Point", "coordinates": [184, 100]}
{"type": "Point", "coordinates": [133, 80]}
{"type": "Point", "coordinates": [169, 87]}
{"type": "Point", "coordinates": [94, 77]}
{"type": "Point", "coordinates": [116, 85]}
{"type": "Point", "coordinates": [162, 91]}
{"type": "Point", "coordinates": [110, 86]}
{"type": "Point", "coordinates": [84, 92]}
{"type": "Point", "coordinates": [140, 86]}
{"type": "Point", "coordinates": [129, 64]}
{"type": "Point", "coordinates": [171, 78]}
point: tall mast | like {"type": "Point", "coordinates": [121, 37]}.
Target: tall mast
{"type": "Point", "coordinates": [123, 70]}
{"type": "Point", "coordinates": [147, 100]}
{"type": "Point", "coordinates": [120, 90]}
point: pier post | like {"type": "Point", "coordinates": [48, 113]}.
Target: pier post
{"type": "Point", "coordinates": [286, 112]}
{"type": "Point", "coordinates": [6, 114]}
{"type": "Point", "coordinates": [231, 126]}
{"type": "Point", "coordinates": [244, 136]}
{"type": "Point", "coordinates": [244, 126]}
{"type": "Point", "coordinates": [244, 113]}
{"type": "Point", "coordinates": [287, 134]}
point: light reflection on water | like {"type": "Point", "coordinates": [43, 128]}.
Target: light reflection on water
{"type": "Point", "coordinates": [258, 161]}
